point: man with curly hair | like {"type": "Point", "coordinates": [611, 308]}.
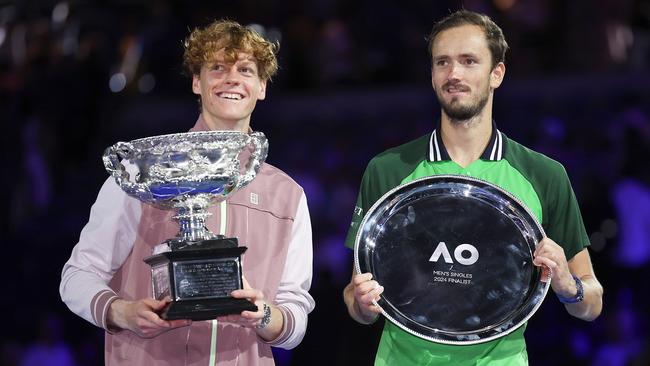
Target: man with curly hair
{"type": "Point", "coordinates": [107, 283]}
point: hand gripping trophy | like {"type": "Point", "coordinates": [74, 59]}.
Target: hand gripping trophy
{"type": "Point", "coordinates": [188, 172]}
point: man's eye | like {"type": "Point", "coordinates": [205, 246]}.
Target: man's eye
{"type": "Point", "coordinates": [470, 61]}
{"type": "Point", "coordinates": [441, 62]}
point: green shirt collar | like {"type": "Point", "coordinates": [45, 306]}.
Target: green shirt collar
{"type": "Point", "coordinates": [494, 150]}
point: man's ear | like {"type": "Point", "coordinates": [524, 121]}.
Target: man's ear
{"type": "Point", "coordinates": [262, 94]}
{"type": "Point", "coordinates": [497, 75]}
{"type": "Point", "coordinates": [196, 84]}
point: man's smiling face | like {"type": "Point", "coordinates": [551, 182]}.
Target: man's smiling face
{"type": "Point", "coordinates": [229, 91]}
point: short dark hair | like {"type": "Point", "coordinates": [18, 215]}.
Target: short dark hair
{"type": "Point", "coordinates": [493, 34]}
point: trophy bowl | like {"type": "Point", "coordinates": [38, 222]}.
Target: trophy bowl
{"type": "Point", "coordinates": [187, 173]}
{"type": "Point", "coordinates": [454, 255]}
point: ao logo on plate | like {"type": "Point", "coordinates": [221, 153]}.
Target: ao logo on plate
{"type": "Point", "coordinates": [441, 250]}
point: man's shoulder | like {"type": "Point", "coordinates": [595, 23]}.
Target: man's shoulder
{"type": "Point", "coordinates": [273, 174]}
{"type": "Point", "coordinates": [274, 180]}
{"type": "Point", "coordinates": [530, 159]}
{"type": "Point", "coordinates": [408, 153]}
{"type": "Point", "coordinates": [271, 190]}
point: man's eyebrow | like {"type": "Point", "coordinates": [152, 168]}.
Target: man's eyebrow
{"type": "Point", "coordinates": [469, 54]}
{"type": "Point", "coordinates": [247, 61]}
{"type": "Point", "coordinates": [462, 55]}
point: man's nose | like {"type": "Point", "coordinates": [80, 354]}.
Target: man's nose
{"type": "Point", "coordinates": [455, 71]}
{"type": "Point", "coordinates": [232, 76]}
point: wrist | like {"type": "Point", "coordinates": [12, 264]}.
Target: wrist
{"type": "Point", "coordinates": [575, 297]}
{"type": "Point", "coordinates": [363, 316]}
{"type": "Point", "coordinates": [266, 318]}
{"type": "Point", "coordinates": [114, 316]}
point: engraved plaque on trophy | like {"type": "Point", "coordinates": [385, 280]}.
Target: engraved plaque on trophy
{"type": "Point", "coordinates": [188, 172]}
{"type": "Point", "coordinates": [454, 255]}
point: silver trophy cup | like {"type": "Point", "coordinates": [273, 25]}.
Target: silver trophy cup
{"type": "Point", "coordinates": [189, 172]}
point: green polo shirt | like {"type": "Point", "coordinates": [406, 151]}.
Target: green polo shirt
{"type": "Point", "coordinates": [538, 181]}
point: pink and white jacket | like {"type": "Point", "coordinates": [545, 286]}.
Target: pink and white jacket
{"type": "Point", "coordinates": [269, 216]}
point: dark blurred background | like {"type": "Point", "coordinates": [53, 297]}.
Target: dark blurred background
{"type": "Point", "coordinates": [77, 76]}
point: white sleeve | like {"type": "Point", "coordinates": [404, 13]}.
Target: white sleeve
{"type": "Point", "coordinates": [293, 298]}
{"type": "Point", "coordinates": [104, 244]}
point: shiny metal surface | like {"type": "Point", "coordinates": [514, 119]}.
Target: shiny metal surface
{"type": "Point", "coordinates": [454, 255]}
{"type": "Point", "coordinates": [187, 172]}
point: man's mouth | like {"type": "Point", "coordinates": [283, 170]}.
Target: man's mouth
{"type": "Point", "coordinates": [231, 96]}
{"type": "Point", "coordinates": [456, 89]}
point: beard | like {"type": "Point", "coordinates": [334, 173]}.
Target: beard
{"type": "Point", "coordinates": [463, 112]}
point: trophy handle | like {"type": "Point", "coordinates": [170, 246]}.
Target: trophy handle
{"type": "Point", "coordinates": [112, 157]}
{"type": "Point", "coordinates": [255, 160]}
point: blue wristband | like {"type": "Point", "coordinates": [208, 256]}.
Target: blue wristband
{"type": "Point", "coordinates": [580, 295]}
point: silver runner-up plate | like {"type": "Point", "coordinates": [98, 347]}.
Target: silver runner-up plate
{"type": "Point", "coordinates": [454, 255]}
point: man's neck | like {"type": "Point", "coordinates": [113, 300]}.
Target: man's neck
{"type": "Point", "coordinates": [216, 124]}
{"type": "Point", "coordinates": [465, 141]}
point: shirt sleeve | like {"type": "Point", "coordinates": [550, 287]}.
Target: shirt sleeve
{"type": "Point", "coordinates": [104, 244]}
{"type": "Point", "coordinates": [362, 205]}
{"type": "Point", "coordinates": [565, 224]}
{"type": "Point", "coordinates": [293, 298]}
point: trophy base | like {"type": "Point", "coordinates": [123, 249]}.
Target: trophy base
{"type": "Point", "coordinates": [199, 278]}
{"type": "Point", "coordinates": [206, 309]}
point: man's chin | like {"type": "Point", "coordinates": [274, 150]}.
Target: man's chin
{"type": "Point", "coordinates": [465, 111]}
{"type": "Point", "coordinates": [460, 114]}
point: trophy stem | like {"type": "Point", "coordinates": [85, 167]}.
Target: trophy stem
{"type": "Point", "coordinates": [192, 224]}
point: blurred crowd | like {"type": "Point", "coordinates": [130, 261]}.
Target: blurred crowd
{"type": "Point", "coordinates": [77, 76]}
